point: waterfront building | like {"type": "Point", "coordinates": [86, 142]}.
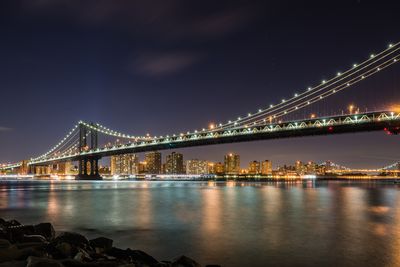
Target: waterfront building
{"type": "Point", "coordinates": [232, 164]}
{"type": "Point", "coordinates": [300, 168]}
{"type": "Point", "coordinates": [142, 167]}
{"type": "Point", "coordinates": [266, 167]}
{"type": "Point", "coordinates": [174, 163]}
{"type": "Point", "coordinates": [126, 164]}
{"type": "Point", "coordinates": [195, 166]}
{"type": "Point", "coordinates": [153, 161]}
{"type": "Point", "coordinates": [254, 167]}
{"type": "Point", "coordinates": [219, 168]}
{"type": "Point", "coordinates": [104, 170]}
{"type": "Point", "coordinates": [311, 167]}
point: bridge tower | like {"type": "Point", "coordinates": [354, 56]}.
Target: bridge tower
{"type": "Point", "coordinates": [88, 165]}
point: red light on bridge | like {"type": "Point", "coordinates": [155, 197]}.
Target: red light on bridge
{"type": "Point", "coordinates": [330, 128]}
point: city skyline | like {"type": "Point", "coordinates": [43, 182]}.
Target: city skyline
{"type": "Point", "coordinates": [205, 62]}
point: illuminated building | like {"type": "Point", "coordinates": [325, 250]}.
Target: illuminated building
{"type": "Point", "coordinates": [300, 168]}
{"type": "Point", "coordinates": [124, 164]}
{"type": "Point", "coordinates": [174, 163]}
{"type": "Point", "coordinates": [219, 168]}
{"type": "Point", "coordinates": [254, 167]}
{"type": "Point", "coordinates": [105, 170]}
{"type": "Point", "coordinates": [143, 167]}
{"type": "Point", "coordinates": [232, 164]}
{"type": "Point", "coordinates": [153, 162]}
{"type": "Point", "coordinates": [24, 169]}
{"type": "Point", "coordinates": [195, 166]}
{"type": "Point", "coordinates": [311, 167]}
{"type": "Point", "coordinates": [63, 168]}
{"type": "Point", "coordinates": [266, 167]}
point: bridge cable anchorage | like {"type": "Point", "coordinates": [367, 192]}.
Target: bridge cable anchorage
{"type": "Point", "coordinates": [325, 85]}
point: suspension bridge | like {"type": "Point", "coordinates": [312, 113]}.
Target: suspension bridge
{"type": "Point", "coordinates": [81, 144]}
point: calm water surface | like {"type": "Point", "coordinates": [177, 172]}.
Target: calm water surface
{"type": "Point", "coordinates": [232, 224]}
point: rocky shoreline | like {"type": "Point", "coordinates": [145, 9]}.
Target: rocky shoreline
{"type": "Point", "coordinates": [39, 246]}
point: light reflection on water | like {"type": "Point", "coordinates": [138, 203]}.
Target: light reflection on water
{"type": "Point", "coordinates": [232, 224]}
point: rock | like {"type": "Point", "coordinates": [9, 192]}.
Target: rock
{"type": "Point", "coordinates": [12, 223]}
{"type": "Point", "coordinates": [2, 221]}
{"type": "Point", "coordinates": [213, 265]}
{"type": "Point", "coordinates": [13, 264]}
{"type": "Point", "coordinates": [66, 250]}
{"type": "Point", "coordinates": [136, 256]}
{"type": "Point", "coordinates": [4, 243]}
{"type": "Point", "coordinates": [33, 238]}
{"type": "Point", "coordinates": [10, 253]}
{"type": "Point", "coordinates": [46, 230]}
{"type": "Point", "coordinates": [74, 239]}
{"type": "Point", "coordinates": [32, 251]}
{"type": "Point", "coordinates": [82, 256]}
{"type": "Point", "coordinates": [30, 245]}
{"type": "Point", "coordinates": [184, 261]}
{"type": "Point", "coordinates": [141, 257]}
{"type": "Point", "coordinates": [42, 262]}
{"type": "Point", "coordinates": [101, 244]}
{"type": "Point", "coordinates": [17, 233]}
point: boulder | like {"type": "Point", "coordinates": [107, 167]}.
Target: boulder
{"type": "Point", "coordinates": [33, 238]}
{"type": "Point", "coordinates": [65, 250]}
{"type": "Point", "coordinates": [4, 244]}
{"type": "Point", "coordinates": [32, 251]}
{"type": "Point", "coordinates": [9, 254]}
{"type": "Point", "coordinates": [82, 256]}
{"type": "Point", "coordinates": [13, 264]}
{"type": "Point", "coordinates": [73, 239]}
{"type": "Point", "coordinates": [101, 244]}
{"type": "Point", "coordinates": [16, 233]}
{"type": "Point", "coordinates": [136, 256]}
{"type": "Point", "coordinates": [42, 262]}
{"type": "Point", "coordinates": [184, 261]}
{"type": "Point", "coordinates": [46, 230]}
{"type": "Point", "coordinates": [12, 223]}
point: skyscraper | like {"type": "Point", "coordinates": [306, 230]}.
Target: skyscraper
{"type": "Point", "coordinates": [124, 164]}
{"type": "Point", "coordinates": [232, 164]}
{"type": "Point", "coordinates": [254, 167]}
{"type": "Point", "coordinates": [266, 167]}
{"type": "Point", "coordinates": [195, 166]}
{"type": "Point", "coordinates": [174, 163]}
{"type": "Point", "coordinates": [153, 162]}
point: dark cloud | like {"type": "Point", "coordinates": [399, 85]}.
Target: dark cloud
{"type": "Point", "coordinates": [159, 64]}
{"type": "Point", "coordinates": [172, 19]}
{"type": "Point", "coordinates": [5, 129]}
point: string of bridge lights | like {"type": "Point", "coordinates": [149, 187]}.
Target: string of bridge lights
{"type": "Point", "coordinates": [327, 91]}
{"type": "Point", "coordinates": [335, 90]}
{"type": "Point", "coordinates": [57, 145]}
{"type": "Point", "coordinates": [392, 48]}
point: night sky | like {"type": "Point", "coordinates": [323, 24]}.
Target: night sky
{"type": "Point", "coordinates": [164, 67]}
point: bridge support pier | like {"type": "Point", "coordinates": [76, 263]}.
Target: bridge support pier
{"type": "Point", "coordinates": [89, 165]}
{"type": "Point", "coordinates": [88, 169]}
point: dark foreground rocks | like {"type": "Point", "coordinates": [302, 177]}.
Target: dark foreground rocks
{"type": "Point", "coordinates": [39, 246]}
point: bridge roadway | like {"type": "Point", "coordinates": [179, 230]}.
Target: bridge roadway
{"type": "Point", "coordinates": [363, 122]}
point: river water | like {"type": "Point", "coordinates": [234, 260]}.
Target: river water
{"type": "Point", "coordinates": [231, 224]}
